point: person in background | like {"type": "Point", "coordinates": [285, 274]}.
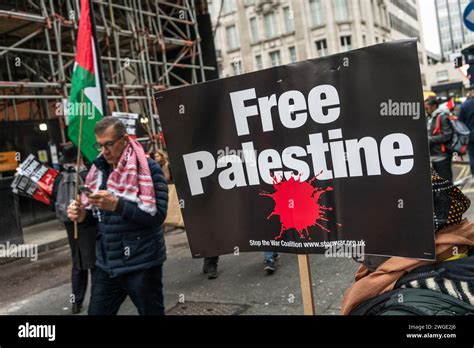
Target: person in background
{"type": "Point", "coordinates": [466, 115]}
{"type": "Point", "coordinates": [269, 259]}
{"type": "Point", "coordinates": [82, 248]}
{"type": "Point", "coordinates": [210, 266]}
{"type": "Point", "coordinates": [162, 158]}
{"type": "Point", "coordinates": [441, 287]}
{"type": "Point", "coordinates": [440, 134]}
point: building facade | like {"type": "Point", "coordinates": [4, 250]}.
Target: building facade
{"type": "Point", "coordinates": [444, 79]}
{"type": "Point", "coordinates": [453, 35]}
{"type": "Point", "coordinates": [256, 34]}
{"type": "Point", "coordinates": [38, 49]}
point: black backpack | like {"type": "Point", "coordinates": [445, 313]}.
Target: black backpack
{"type": "Point", "coordinates": [65, 194]}
{"type": "Point", "coordinates": [460, 140]}
{"type": "Point", "coordinates": [461, 135]}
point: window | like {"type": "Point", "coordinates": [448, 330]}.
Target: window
{"type": "Point", "coordinates": [289, 17]}
{"type": "Point", "coordinates": [364, 41]}
{"type": "Point", "coordinates": [385, 17]}
{"type": "Point", "coordinates": [342, 10]}
{"type": "Point", "coordinates": [317, 13]}
{"type": "Point", "coordinates": [381, 15]}
{"type": "Point", "coordinates": [236, 67]}
{"type": "Point", "coordinates": [445, 36]}
{"type": "Point", "coordinates": [292, 54]}
{"type": "Point", "coordinates": [373, 6]}
{"type": "Point", "coordinates": [254, 29]}
{"type": "Point", "coordinates": [442, 76]}
{"type": "Point", "coordinates": [228, 6]}
{"type": "Point", "coordinates": [457, 33]}
{"type": "Point", "coordinates": [321, 48]}
{"type": "Point", "coordinates": [258, 62]}
{"type": "Point", "coordinates": [275, 58]}
{"type": "Point", "coordinates": [346, 43]}
{"type": "Point", "coordinates": [232, 38]}
{"type": "Point", "coordinates": [362, 10]}
{"type": "Point", "coordinates": [270, 25]}
{"type": "Point", "coordinates": [404, 28]}
{"type": "Point", "coordinates": [406, 7]}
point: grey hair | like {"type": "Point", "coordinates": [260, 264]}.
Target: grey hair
{"type": "Point", "coordinates": [109, 121]}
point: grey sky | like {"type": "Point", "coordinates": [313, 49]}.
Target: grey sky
{"type": "Point", "coordinates": [430, 27]}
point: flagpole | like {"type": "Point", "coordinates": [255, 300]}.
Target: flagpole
{"type": "Point", "coordinates": [99, 72]}
{"type": "Point", "coordinates": [79, 144]}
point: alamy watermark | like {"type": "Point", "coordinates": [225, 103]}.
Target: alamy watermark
{"type": "Point", "coordinates": [229, 155]}
{"type": "Point", "coordinates": [345, 249]}
{"type": "Point", "coordinates": [19, 251]}
{"type": "Point", "coordinates": [85, 109]}
{"type": "Point", "coordinates": [406, 109]}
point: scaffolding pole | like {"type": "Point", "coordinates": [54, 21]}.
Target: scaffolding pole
{"type": "Point", "coordinates": [145, 46]}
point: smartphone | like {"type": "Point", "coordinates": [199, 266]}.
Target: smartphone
{"type": "Point", "coordinates": [85, 189]}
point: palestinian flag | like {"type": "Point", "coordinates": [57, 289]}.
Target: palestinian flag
{"type": "Point", "coordinates": [87, 90]}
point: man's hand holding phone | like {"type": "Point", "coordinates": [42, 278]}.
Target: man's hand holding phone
{"type": "Point", "coordinates": [103, 200]}
{"type": "Point", "coordinates": [85, 190]}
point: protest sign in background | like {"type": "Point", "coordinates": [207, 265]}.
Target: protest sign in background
{"type": "Point", "coordinates": [129, 120]}
{"type": "Point", "coordinates": [355, 121]}
{"type": "Point", "coordinates": [35, 180]}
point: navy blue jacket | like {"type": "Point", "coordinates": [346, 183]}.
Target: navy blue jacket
{"type": "Point", "coordinates": [466, 115]}
{"type": "Point", "coordinates": [130, 239]}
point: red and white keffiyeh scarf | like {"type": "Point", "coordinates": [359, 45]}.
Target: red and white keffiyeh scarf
{"type": "Point", "coordinates": [131, 179]}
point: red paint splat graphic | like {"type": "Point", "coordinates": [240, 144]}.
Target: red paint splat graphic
{"type": "Point", "coordinates": [297, 205]}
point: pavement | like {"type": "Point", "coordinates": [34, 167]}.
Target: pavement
{"type": "Point", "coordinates": [42, 287]}
{"type": "Point", "coordinates": [48, 235]}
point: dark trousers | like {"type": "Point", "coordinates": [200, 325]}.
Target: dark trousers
{"type": "Point", "coordinates": [144, 287]}
{"type": "Point", "coordinates": [211, 261]}
{"type": "Point", "coordinates": [443, 168]}
{"type": "Point", "coordinates": [470, 150]}
{"type": "Point", "coordinates": [79, 284]}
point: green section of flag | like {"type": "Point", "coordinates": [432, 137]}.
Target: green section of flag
{"type": "Point", "coordinates": [81, 79]}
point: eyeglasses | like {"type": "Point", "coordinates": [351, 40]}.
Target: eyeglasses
{"type": "Point", "coordinates": [108, 145]}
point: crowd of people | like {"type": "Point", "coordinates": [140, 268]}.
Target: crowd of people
{"type": "Point", "coordinates": [123, 204]}
{"type": "Point", "coordinates": [120, 220]}
{"type": "Point", "coordinates": [404, 286]}
{"type": "Point", "coordinates": [442, 117]}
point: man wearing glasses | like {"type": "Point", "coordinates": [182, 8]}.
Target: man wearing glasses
{"type": "Point", "coordinates": [130, 197]}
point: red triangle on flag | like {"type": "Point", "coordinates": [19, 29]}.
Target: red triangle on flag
{"type": "Point", "coordinates": [84, 53]}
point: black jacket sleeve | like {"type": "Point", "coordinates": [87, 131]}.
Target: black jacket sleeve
{"type": "Point", "coordinates": [462, 114]}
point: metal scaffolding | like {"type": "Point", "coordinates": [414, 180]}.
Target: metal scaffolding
{"type": "Point", "coordinates": [145, 46]}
